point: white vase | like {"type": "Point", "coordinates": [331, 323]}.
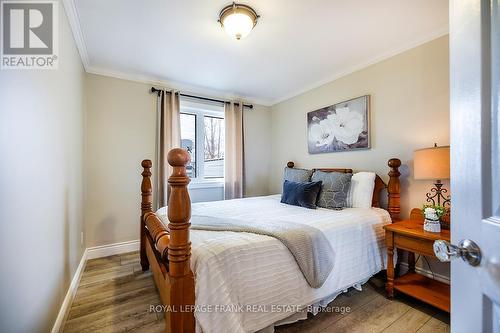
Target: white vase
{"type": "Point", "coordinates": [432, 225]}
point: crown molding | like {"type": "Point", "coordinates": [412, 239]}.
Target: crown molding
{"type": "Point", "coordinates": [76, 28]}
{"type": "Point", "coordinates": [174, 85]}
{"type": "Point", "coordinates": [379, 58]}
{"type": "Point", "coordinates": [207, 92]}
{"type": "Point", "coordinates": [74, 21]}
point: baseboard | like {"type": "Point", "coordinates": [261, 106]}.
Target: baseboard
{"type": "Point", "coordinates": [428, 273]}
{"type": "Point", "coordinates": [112, 249]}
{"type": "Point", "coordinates": [89, 253]}
{"type": "Point", "coordinates": [70, 295]}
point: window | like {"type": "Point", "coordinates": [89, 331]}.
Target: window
{"type": "Point", "coordinates": [202, 135]}
{"type": "Point", "coordinates": [214, 147]}
{"type": "Point", "coordinates": [188, 140]}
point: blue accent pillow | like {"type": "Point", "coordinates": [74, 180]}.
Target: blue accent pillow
{"type": "Point", "coordinates": [301, 194]}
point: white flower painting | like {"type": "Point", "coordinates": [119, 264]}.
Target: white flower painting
{"type": "Point", "coordinates": [339, 127]}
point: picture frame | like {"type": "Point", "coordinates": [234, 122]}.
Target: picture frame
{"type": "Point", "coordinates": [344, 126]}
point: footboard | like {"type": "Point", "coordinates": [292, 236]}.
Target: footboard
{"type": "Point", "coordinates": [167, 251]}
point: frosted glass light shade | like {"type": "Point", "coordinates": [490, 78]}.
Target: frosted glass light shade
{"type": "Point", "coordinates": [432, 163]}
{"type": "Point", "coordinates": [237, 25]}
{"type": "Point", "coordinates": [238, 20]}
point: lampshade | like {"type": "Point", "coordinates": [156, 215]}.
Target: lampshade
{"type": "Point", "coordinates": [238, 20]}
{"type": "Point", "coordinates": [432, 163]}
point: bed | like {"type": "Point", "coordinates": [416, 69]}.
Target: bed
{"type": "Point", "coordinates": [248, 282]}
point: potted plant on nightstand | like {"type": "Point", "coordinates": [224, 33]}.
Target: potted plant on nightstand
{"type": "Point", "coordinates": [433, 215]}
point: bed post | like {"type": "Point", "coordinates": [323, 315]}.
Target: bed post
{"type": "Point", "coordinates": [393, 189]}
{"type": "Point", "coordinates": [146, 207]}
{"type": "Point", "coordinates": [181, 319]}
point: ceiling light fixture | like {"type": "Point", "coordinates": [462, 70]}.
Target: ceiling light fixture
{"type": "Point", "coordinates": [238, 20]}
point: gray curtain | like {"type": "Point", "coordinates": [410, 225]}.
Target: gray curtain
{"type": "Point", "coordinates": [233, 155]}
{"type": "Point", "coordinates": [167, 137]}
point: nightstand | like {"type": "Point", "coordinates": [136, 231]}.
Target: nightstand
{"type": "Point", "coordinates": [409, 235]}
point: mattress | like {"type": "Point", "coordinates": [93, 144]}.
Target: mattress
{"type": "Point", "coordinates": [247, 282]}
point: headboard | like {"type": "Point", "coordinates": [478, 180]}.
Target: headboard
{"type": "Point", "coordinates": [393, 187]}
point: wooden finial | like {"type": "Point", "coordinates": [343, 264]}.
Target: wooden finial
{"type": "Point", "coordinates": [393, 189]}
{"type": "Point", "coordinates": [179, 246]}
{"type": "Point", "coordinates": [146, 207]}
{"type": "Point", "coordinates": [179, 213]}
{"type": "Point", "coordinates": [146, 164]}
{"type": "Point", "coordinates": [394, 163]}
{"type": "Point", "coordinates": [290, 165]}
{"type": "Point", "coordinates": [146, 188]}
{"type": "Point", "coordinates": [178, 157]}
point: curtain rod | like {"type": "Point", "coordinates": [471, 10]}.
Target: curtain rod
{"type": "Point", "coordinates": [250, 106]}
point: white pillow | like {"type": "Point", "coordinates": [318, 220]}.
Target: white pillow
{"type": "Point", "coordinates": [361, 191]}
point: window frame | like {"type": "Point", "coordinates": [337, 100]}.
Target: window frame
{"type": "Point", "coordinates": [215, 117]}
{"type": "Point", "coordinates": [200, 110]}
{"type": "Point", "coordinates": [195, 139]}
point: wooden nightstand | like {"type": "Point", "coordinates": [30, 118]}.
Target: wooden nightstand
{"type": "Point", "coordinates": [409, 235]}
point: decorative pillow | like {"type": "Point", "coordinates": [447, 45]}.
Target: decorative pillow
{"type": "Point", "coordinates": [334, 189]}
{"type": "Point", "coordinates": [297, 175]}
{"type": "Point", "coordinates": [301, 194]}
{"type": "Point", "coordinates": [361, 192]}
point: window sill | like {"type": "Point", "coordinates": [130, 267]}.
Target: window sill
{"type": "Point", "coordinates": [207, 183]}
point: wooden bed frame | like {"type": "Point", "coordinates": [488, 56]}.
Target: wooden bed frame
{"type": "Point", "coordinates": [167, 251]}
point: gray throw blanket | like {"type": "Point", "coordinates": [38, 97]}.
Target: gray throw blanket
{"type": "Point", "coordinates": [308, 245]}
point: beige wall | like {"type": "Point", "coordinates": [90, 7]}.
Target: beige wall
{"type": "Point", "coordinates": [41, 187]}
{"type": "Point", "coordinates": [409, 110]}
{"type": "Point", "coordinates": [120, 133]}
{"type": "Point", "coordinates": [257, 143]}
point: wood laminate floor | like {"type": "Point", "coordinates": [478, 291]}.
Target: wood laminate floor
{"type": "Point", "coordinates": [114, 295]}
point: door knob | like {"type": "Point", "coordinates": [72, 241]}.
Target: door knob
{"type": "Point", "coordinates": [466, 249]}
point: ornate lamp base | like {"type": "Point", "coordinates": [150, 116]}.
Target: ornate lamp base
{"type": "Point", "coordinates": [437, 193]}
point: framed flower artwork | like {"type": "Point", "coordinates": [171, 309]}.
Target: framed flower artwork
{"type": "Point", "coordinates": [340, 127]}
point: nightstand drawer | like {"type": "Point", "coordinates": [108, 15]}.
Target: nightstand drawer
{"type": "Point", "coordinates": [414, 244]}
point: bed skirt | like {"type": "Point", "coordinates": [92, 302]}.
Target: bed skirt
{"type": "Point", "coordinates": [302, 315]}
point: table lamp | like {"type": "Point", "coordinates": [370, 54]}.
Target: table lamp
{"type": "Point", "coordinates": [434, 164]}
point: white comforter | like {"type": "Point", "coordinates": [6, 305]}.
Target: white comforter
{"type": "Point", "coordinates": [257, 276]}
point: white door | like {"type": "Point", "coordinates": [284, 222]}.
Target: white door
{"type": "Point", "coordinates": [475, 162]}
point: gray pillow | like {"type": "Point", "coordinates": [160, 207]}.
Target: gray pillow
{"type": "Point", "coordinates": [297, 175]}
{"type": "Point", "coordinates": [334, 189]}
